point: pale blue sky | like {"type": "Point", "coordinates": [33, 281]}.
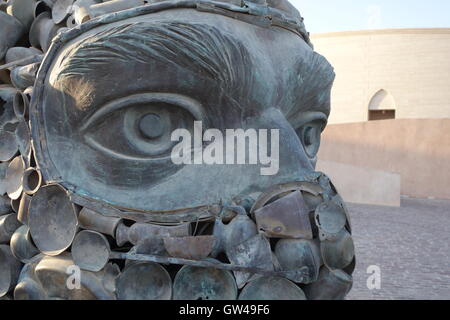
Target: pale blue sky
{"type": "Point", "coordinates": [341, 15]}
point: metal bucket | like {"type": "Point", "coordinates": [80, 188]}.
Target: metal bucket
{"type": "Point", "coordinates": [9, 270]}
{"type": "Point", "coordinates": [18, 53]}
{"type": "Point", "coordinates": [8, 145]}
{"type": "Point", "coordinates": [61, 10]}
{"type": "Point", "coordinates": [90, 250]}
{"type": "Point", "coordinates": [22, 245]}
{"type": "Point", "coordinates": [239, 230]}
{"type": "Point", "coordinates": [255, 252]}
{"type": "Point", "coordinates": [339, 253]}
{"type": "Point", "coordinates": [287, 217]}
{"type": "Point", "coordinates": [144, 281]}
{"type": "Point", "coordinates": [294, 254]}
{"type": "Point", "coordinates": [23, 10]}
{"type": "Point", "coordinates": [195, 283]}
{"type": "Point", "coordinates": [331, 285]}
{"type": "Point", "coordinates": [271, 288]}
{"type": "Point", "coordinates": [8, 225]}
{"type": "Point", "coordinates": [11, 31]}
{"type": "Point", "coordinates": [42, 31]}
{"type": "Point", "coordinates": [52, 220]}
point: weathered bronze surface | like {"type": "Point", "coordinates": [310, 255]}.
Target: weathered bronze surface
{"type": "Point", "coordinates": [90, 94]}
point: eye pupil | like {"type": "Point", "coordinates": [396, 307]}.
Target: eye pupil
{"type": "Point", "coordinates": [151, 126]}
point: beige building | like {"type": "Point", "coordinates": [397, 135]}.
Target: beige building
{"type": "Point", "coordinates": [386, 74]}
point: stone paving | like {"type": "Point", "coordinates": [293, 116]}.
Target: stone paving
{"type": "Point", "coordinates": [410, 244]}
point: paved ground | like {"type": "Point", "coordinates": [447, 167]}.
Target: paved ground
{"type": "Point", "coordinates": [410, 244]}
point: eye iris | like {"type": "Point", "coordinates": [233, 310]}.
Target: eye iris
{"type": "Point", "coordinates": [151, 126]}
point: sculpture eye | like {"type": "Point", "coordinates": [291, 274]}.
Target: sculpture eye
{"type": "Point", "coordinates": [139, 127]}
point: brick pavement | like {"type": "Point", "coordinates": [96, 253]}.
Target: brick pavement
{"type": "Point", "coordinates": [410, 244]}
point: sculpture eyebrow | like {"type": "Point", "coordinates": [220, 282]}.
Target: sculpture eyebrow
{"type": "Point", "coordinates": [199, 48]}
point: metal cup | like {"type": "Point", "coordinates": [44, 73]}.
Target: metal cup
{"type": "Point", "coordinates": [195, 283]}
{"type": "Point", "coordinates": [9, 270]}
{"type": "Point", "coordinates": [52, 219]}
{"type": "Point", "coordinates": [271, 288]}
{"type": "Point", "coordinates": [144, 281]}
{"type": "Point", "coordinates": [22, 245]}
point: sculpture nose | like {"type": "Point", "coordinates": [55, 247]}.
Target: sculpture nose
{"type": "Point", "coordinates": [293, 159]}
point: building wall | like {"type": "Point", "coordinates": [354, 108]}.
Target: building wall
{"type": "Point", "coordinates": [417, 149]}
{"type": "Point", "coordinates": [412, 65]}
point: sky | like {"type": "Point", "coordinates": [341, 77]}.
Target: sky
{"type": "Point", "coordinates": [343, 15]}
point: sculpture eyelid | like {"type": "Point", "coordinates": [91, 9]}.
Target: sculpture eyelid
{"type": "Point", "coordinates": [191, 105]}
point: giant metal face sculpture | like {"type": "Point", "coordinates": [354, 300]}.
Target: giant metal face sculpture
{"type": "Point", "coordinates": [112, 96]}
{"type": "Point", "coordinates": [109, 95]}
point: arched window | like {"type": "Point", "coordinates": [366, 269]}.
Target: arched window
{"type": "Point", "coordinates": [382, 106]}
